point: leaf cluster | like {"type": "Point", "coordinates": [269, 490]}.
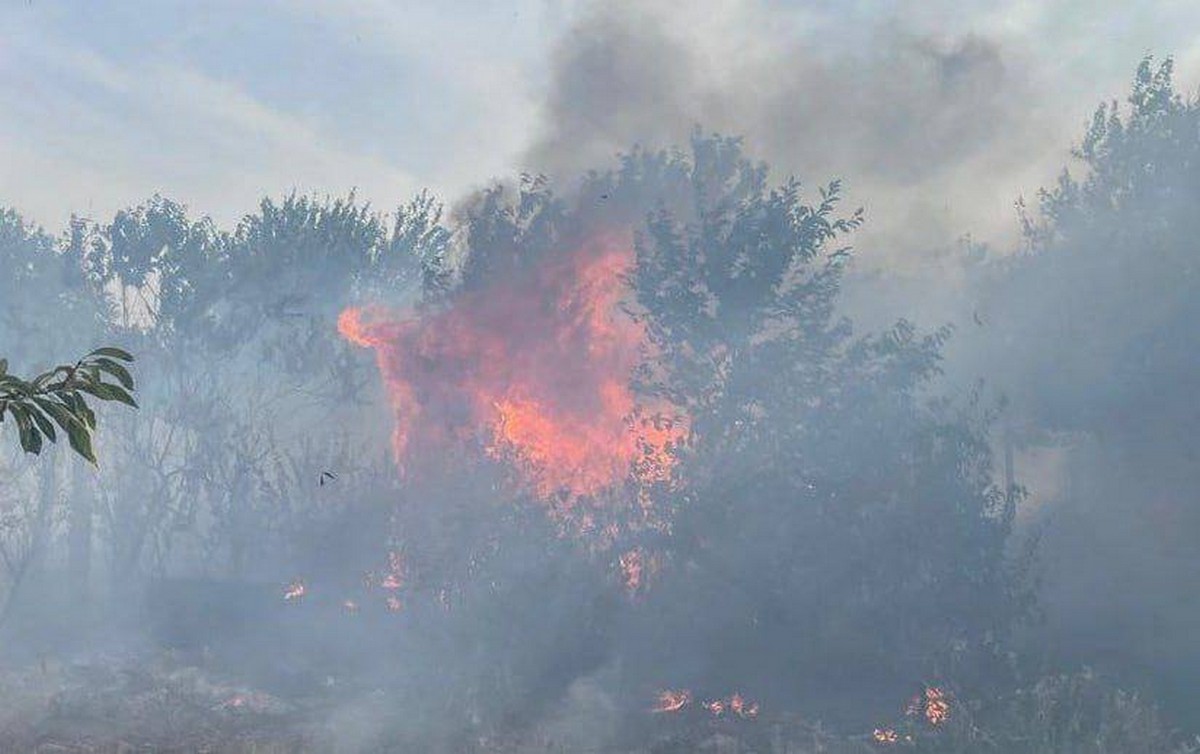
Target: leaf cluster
{"type": "Point", "coordinates": [58, 399]}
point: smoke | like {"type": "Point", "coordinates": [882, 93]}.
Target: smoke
{"type": "Point", "coordinates": [901, 107]}
{"type": "Point", "coordinates": [938, 116]}
{"type": "Point", "coordinates": [939, 127]}
{"type": "Point", "coordinates": [910, 118]}
{"type": "Point", "coordinates": [833, 537]}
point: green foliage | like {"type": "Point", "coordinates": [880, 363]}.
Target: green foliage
{"type": "Point", "coordinates": [822, 495]}
{"type": "Point", "coordinates": [851, 510]}
{"type": "Point", "coordinates": [1091, 333]}
{"type": "Point", "coordinates": [825, 497]}
{"type": "Point", "coordinates": [1094, 322]}
{"type": "Point", "coordinates": [60, 397]}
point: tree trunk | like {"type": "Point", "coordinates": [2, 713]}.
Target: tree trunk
{"type": "Point", "coordinates": [43, 523]}
{"type": "Point", "coordinates": [30, 561]}
{"type": "Point", "coordinates": [1010, 477]}
{"type": "Point", "coordinates": [79, 532]}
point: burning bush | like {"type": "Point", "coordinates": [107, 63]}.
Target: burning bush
{"type": "Point", "coordinates": [683, 390]}
{"type": "Point", "coordinates": [635, 442]}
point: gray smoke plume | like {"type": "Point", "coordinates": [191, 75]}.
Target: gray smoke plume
{"type": "Point", "coordinates": [902, 115]}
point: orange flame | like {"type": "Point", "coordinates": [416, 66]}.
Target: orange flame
{"type": "Point", "coordinates": [394, 578]}
{"type": "Point", "coordinates": [255, 701]}
{"type": "Point", "coordinates": [637, 567]}
{"type": "Point", "coordinates": [671, 700]}
{"type": "Point", "coordinates": [933, 705]}
{"type": "Point", "coordinates": [716, 707]}
{"type": "Point", "coordinates": [536, 368]}
{"type": "Point", "coordinates": [676, 700]}
{"type": "Point", "coordinates": [742, 708]}
{"type": "Point", "coordinates": [937, 706]}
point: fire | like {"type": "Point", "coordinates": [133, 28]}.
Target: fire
{"type": "Point", "coordinates": [535, 371]}
{"type": "Point", "coordinates": [933, 705]}
{"type": "Point", "coordinates": [294, 590]}
{"type": "Point", "coordinates": [637, 566]}
{"type": "Point", "coordinates": [735, 705]}
{"type": "Point", "coordinates": [631, 569]}
{"type": "Point", "coordinates": [674, 700]}
{"type": "Point", "coordinates": [885, 736]}
{"type": "Point", "coordinates": [394, 578]}
{"type": "Point", "coordinates": [253, 700]}
{"type": "Point", "coordinates": [671, 700]}
{"type": "Point", "coordinates": [391, 581]}
{"type": "Point", "coordinates": [742, 708]}
{"type": "Point", "coordinates": [937, 706]}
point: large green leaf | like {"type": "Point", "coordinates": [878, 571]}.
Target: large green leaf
{"type": "Point", "coordinates": [112, 353]}
{"type": "Point", "coordinates": [61, 414]}
{"type": "Point", "coordinates": [81, 441]}
{"type": "Point", "coordinates": [107, 392]}
{"type": "Point", "coordinates": [43, 424]}
{"type": "Point", "coordinates": [31, 438]}
{"type": "Point", "coordinates": [116, 370]}
{"type": "Point", "coordinates": [57, 397]}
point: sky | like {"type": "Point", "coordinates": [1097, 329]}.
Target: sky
{"type": "Point", "coordinates": [938, 113]}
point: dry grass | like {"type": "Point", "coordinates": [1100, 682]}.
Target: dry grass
{"type": "Point", "coordinates": [122, 708]}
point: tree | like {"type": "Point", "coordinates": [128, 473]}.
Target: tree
{"type": "Point", "coordinates": [1093, 319]}
{"type": "Point", "coordinates": [1092, 336]}
{"type": "Point", "coordinates": [829, 516]}
{"type": "Point", "coordinates": [57, 397]}
{"type": "Point", "coordinates": [834, 519]}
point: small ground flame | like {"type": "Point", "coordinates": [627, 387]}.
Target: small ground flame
{"type": "Point", "coordinates": [885, 736]}
{"type": "Point", "coordinates": [671, 700]}
{"type": "Point", "coordinates": [937, 706]}
{"type": "Point", "coordinates": [933, 704]}
{"type": "Point", "coordinates": [250, 701]}
{"type": "Point", "coordinates": [742, 708]}
{"type": "Point", "coordinates": [637, 566]}
{"type": "Point", "coordinates": [394, 579]}
{"type": "Point", "coordinates": [736, 705]}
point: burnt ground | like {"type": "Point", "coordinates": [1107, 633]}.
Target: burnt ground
{"type": "Point", "coordinates": [116, 705]}
{"type": "Point", "coordinates": [125, 705]}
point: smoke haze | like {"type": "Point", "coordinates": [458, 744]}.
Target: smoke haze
{"type": "Point", "coordinates": [528, 378]}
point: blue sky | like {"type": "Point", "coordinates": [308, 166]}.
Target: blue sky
{"type": "Point", "coordinates": [217, 103]}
